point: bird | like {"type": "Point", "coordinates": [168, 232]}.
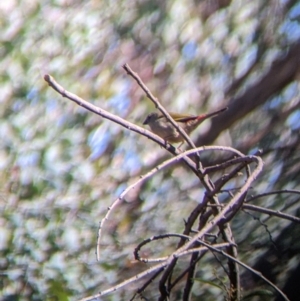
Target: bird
{"type": "Point", "coordinates": [162, 127]}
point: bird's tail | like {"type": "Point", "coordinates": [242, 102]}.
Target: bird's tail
{"type": "Point", "coordinates": [209, 115]}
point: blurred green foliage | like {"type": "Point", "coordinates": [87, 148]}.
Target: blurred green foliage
{"type": "Point", "coordinates": [61, 166]}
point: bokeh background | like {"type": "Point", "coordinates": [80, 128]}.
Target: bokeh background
{"type": "Point", "coordinates": [61, 166]}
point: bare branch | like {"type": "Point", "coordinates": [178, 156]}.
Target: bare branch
{"type": "Point", "coordinates": [292, 191]}
{"type": "Point", "coordinates": [286, 216]}
{"type": "Point", "coordinates": [103, 113]}
{"type": "Point", "coordinates": [246, 267]}
{"type": "Point", "coordinates": [135, 278]}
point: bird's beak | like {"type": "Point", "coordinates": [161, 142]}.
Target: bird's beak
{"type": "Point", "coordinates": [146, 120]}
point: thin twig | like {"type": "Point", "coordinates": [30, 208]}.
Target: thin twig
{"type": "Point", "coordinates": [292, 191]}
{"type": "Point", "coordinates": [223, 165]}
{"type": "Point", "coordinates": [133, 279]}
{"type": "Point", "coordinates": [103, 113]}
{"type": "Point", "coordinates": [272, 212]}
{"type": "Point", "coordinates": [132, 186]}
{"type": "Point", "coordinates": [246, 267]}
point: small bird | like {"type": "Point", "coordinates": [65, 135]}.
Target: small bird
{"type": "Point", "coordinates": [160, 126]}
